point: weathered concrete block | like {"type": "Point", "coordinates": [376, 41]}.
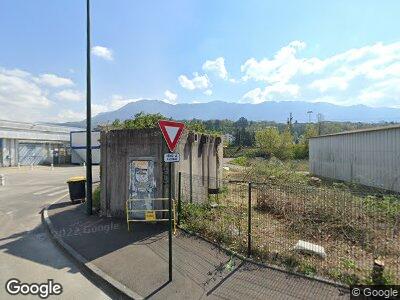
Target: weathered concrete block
{"type": "Point", "coordinates": [214, 205]}
{"type": "Point", "coordinates": [303, 246]}
{"type": "Point", "coordinates": [315, 180]}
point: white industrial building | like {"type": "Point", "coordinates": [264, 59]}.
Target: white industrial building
{"type": "Point", "coordinates": [32, 144]}
{"type": "Point", "coordinates": [370, 157]}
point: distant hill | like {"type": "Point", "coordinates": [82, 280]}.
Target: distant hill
{"type": "Point", "coordinates": [266, 111]}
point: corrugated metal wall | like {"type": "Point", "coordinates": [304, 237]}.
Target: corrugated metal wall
{"type": "Point", "coordinates": [32, 154]}
{"type": "Point", "coordinates": [371, 158]}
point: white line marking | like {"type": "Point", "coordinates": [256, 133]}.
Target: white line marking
{"type": "Point", "coordinates": [47, 190]}
{"type": "Point", "coordinates": [58, 192]}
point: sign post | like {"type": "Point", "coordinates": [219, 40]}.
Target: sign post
{"type": "Point", "coordinates": [172, 132]}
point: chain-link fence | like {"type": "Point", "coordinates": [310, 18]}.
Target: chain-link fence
{"type": "Point", "coordinates": [330, 232]}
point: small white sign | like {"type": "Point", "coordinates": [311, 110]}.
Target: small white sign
{"type": "Point", "coordinates": [171, 157]}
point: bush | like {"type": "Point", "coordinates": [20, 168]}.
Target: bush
{"type": "Point", "coordinates": [312, 211]}
{"type": "Point", "coordinates": [241, 161]}
{"type": "Point", "coordinates": [96, 197]}
{"type": "Point", "coordinates": [272, 143]}
{"type": "Point", "coordinates": [300, 151]}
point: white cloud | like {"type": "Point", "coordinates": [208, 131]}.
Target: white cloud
{"type": "Point", "coordinates": [281, 68]}
{"type": "Point", "coordinates": [272, 92]}
{"type": "Point", "coordinates": [118, 101]}
{"type": "Point", "coordinates": [216, 66]}
{"type": "Point", "coordinates": [53, 80]}
{"type": "Point", "coordinates": [208, 92]}
{"type": "Point", "coordinates": [20, 96]}
{"type": "Point", "coordinates": [333, 82]}
{"type": "Point", "coordinates": [388, 90]}
{"type": "Point", "coordinates": [21, 92]}
{"type": "Point", "coordinates": [26, 97]}
{"type": "Point", "coordinates": [170, 97]}
{"type": "Point", "coordinates": [69, 115]}
{"type": "Point", "coordinates": [198, 82]}
{"type": "Point", "coordinates": [99, 108]}
{"type": "Point", "coordinates": [70, 95]}
{"type": "Point", "coordinates": [344, 76]}
{"type": "Point", "coordinates": [102, 52]}
{"type": "Point", "coordinates": [254, 96]}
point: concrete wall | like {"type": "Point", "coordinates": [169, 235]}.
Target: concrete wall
{"type": "Point", "coordinates": [119, 147]}
{"type": "Point", "coordinates": [370, 158]}
{"type": "Point", "coordinates": [201, 165]}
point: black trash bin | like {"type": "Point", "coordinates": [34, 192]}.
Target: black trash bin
{"type": "Point", "coordinates": [77, 188]}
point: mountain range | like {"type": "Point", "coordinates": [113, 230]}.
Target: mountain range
{"type": "Point", "coordinates": [266, 111]}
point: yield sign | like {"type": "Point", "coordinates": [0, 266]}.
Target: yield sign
{"type": "Point", "coordinates": [172, 132]}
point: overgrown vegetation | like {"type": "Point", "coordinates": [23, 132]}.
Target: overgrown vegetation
{"type": "Point", "coordinates": [354, 224]}
{"type": "Point", "coordinates": [139, 121]}
{"type": "Point", "coordinates": [96, 197]}
{"type": "Point", "coordinates": [143, 120]}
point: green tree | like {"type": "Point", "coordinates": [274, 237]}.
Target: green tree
{"type": "Point", "coordinates": [116, 124]}
{"type": "Point", "coordinates": [140, 121]}
{"type": "Point", "coordinates": [301, 149]}
{"type": "Point", "coordinates": [196, 125]}
{"type": "Point", "coordinates": [286, 147]}
{"type": "Point", "coordinates": [268, 141]}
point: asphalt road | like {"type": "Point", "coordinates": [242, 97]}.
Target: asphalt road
{"type": "Point", "coordinates": [26, 252]}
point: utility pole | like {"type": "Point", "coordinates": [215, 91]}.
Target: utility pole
{"type": "Point", "coordinates": [88, 117]}
{"type": "Point", "coordinates": [170, 221]}
{"type": "Point", "coordinates": [309, 115]}
{"type": "Point", "coordinates": [320, 119]}
{"type": "Point", "coordinates": [290, 121]}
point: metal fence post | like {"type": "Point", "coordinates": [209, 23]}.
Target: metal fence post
{"type": "Point", "coordinates": [179, 197]}
{"type": "Point", "coordinates": [249, 222]}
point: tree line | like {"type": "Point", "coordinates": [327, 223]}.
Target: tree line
{"type": "Point", "coordinates": [258, 138]}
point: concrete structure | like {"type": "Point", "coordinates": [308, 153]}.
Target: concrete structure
{"type": "Point", "coordinates": [370, 157]}
{"type": "Point", "coordinates": [78, 147]}
{"type": "Point", "coordinates": [28, 143]}
{"type": "Point", "coordinates": [132, 166]}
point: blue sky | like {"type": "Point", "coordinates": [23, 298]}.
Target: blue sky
{"type": "Point", "coordinates": [182, 51]}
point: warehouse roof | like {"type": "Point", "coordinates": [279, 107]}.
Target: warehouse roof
{"type": "Point", "coordinates": [378, 128]}
{"type": "Point", "coordinates": [32, 131]}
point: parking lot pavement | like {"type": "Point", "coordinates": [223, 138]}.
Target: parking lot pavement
{"type": "Point", "coordinates": [26, 251]}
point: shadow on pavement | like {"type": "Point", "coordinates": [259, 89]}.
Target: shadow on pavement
{"type": "Point", "coordinates": [94, 236]}
{"type": "Point", "coordinates": [34, 245]}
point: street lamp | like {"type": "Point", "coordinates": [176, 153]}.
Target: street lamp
{"type": "Point", "coordinates": [309, 115]}
{"type": "Point", "coordinates": [88, 117]}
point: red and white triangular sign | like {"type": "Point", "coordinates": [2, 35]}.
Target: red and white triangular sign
{"type": "Point", "coordinates": [172, 132]}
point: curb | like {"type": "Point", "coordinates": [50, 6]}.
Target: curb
{"type": "Point", "coordinates": [87, 266]}
{"type": "Point", "coordinates": [338, 285]}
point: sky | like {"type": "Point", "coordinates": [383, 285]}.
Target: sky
{"type": "Point", "coordinates": [186, 51]}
